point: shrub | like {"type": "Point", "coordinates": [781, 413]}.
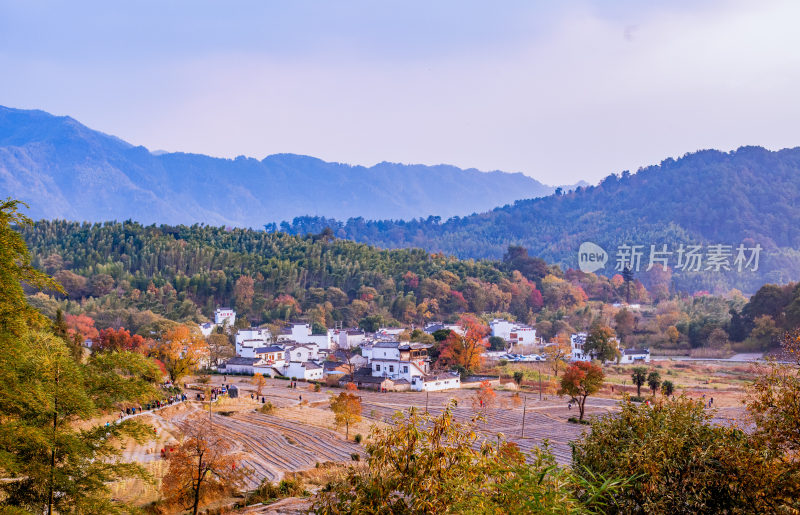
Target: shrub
{"type": "Point", "coordinates": [576, 420]}
{"type": "Point", "coordinates": [317, 387]}
{"type": "Point", "coordinates": [357, 438]}
{"type": "Point", "coordinates": [269, 491]}
{"type": "Point", "coordinates": [267, 408]}
{"type": "Point", "coordinates": [637, 398]}
{"type": "Point", "coordinates": [682, 462]}
{"type": "Point", "coordinates": [355, 456]}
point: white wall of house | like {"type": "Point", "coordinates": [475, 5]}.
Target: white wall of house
{"type": "Point", "coordinates": [419, 384]}
{"type": "Point", "coordinates": [627, 359]}
{"type": "Point", "coordinates": [305, 371]}
{"type": "Point", "coordinates": [576, 343]}
{"type": "Point", "coordinates": [523, 335]}
{"type": "Point", "coordinates": [502, 328]}
{"type": "Point", "coordinates": [395, 369]}
{"type": "Point", "coordinates": [301, 353]}
{"type": "Point", "coordinates": [223, 315]}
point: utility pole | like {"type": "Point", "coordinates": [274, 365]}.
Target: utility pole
{"type": "Point", "coordinates": [524, 405]}
{"type": "Point", "coordinates": [426, 401]}
{"type": "Point", "coordinates": [540, 385]}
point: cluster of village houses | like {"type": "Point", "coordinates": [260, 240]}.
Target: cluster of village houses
{"type": "Point", "coordinates": [376, 360]}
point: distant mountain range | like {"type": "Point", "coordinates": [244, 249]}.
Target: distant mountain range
{"type": "Point", "coordinates": [747, 197]}
{"type": "Point", "coordinates": [63, 169]}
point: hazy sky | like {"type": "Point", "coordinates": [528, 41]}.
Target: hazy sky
{"type": "Point", "coordinates": [561, 91]}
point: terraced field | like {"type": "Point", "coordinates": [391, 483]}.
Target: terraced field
{"type": "Point", "coordinates": [272, 446]}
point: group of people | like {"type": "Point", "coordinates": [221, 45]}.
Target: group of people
{"type": "Point", "coordinates": [155, 404]}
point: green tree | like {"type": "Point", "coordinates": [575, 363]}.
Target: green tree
{"type": "Point", "coordinates": [518, 376]}
{"type": "Point", "coordinates": [654, 381]}
{"type": "Point", "coordinates": [667, 388]}
{"type": "Point", "coordinates": [496, 343]}
{"type": "Point", "coordinates": [602, 343]}
{"type": "Point", "coordinates": [680, 460]}
{"type": "Point", "coordinates": [51, 460]}
{"type": "Point", "coordinates": [639, 377]}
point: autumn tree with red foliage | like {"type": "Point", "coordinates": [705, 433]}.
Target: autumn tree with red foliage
{"type": "Point", "coordinates": [581, 380]}
{"type": "Point", "coordinates": [119, 340]}
{"type": "Point", "coordinates": [485, 397]}
{"type": "Point", "coordinates": [465, 351]}
{"type": "Point", "coordinates": [81, 325]}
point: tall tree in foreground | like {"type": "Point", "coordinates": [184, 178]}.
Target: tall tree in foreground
{"type": "Point", "coordinates": [50, 459]}
{"type": "Point", "coordinates": [581, 380]}
{"type": "Point", "coordinates": [203, 468]}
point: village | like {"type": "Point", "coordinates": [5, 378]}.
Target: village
{"type": "Point", "coordinates": [379, 361]}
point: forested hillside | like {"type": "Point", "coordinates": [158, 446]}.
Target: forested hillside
{"type": "Point", "coordinates": [145, 278]}
{"type": "Point", "coordinates": [63, 169]}
{"type": "Point", "coordinates": [749, 196]}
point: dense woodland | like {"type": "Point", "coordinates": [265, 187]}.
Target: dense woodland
{"type": "Point", "coordinates": [143, 277]}
{"type": "Point", "coordinates": [748, 196]}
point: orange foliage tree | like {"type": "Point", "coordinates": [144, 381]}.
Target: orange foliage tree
{"type": "Point", "coordinates": [202, 468]}
{"type": "Point", "coordinates": [346, 409]}
{"type": "Point", "coordinates": [182, 350]}
{"type": "Point", "coordinates": [81, 325]}
{"type": "Point", "coordinates": [485, 397]}
{"type": "Point", "coordinates": [465, 351]}
{"type": "Point", "coordinates": [581, 380]}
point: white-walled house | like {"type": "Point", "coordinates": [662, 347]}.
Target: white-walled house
{"type": "Point", "coordinates": [523, 335]}
{"type": "Point", "coordinates": [347, 338]}
{"type": "Point", "coordinates": [301, 332]}
{"type": "Point", "coordinates": [302, 352]}
{"type": "Point", "coordinates": [630, 356]}
{"type": "Point", "coordinates": [399, 360]}
{"type": "Point", "coordinates": [502, 328]}
{"type": "Point", "coordinates": [576, 343]}
{"type": "Point", "coordinates": [436, 382]}
{"type": "Point", "coordinates": [273, 355]}
{"type": "Point", "coordinates": [247, 340]}
{"type": "Point", "coordinates": [225, 315]}
{"type": "Point", "coordinates": [578, 352]}
{"type": "Point", "coordinates": [307, 370]}
{"type": "Point", "coordinates": [241, 365]}
{"type": "Point", "coordinates": [513, 332]}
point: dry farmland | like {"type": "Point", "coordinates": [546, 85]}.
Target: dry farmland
{"type": "Point", "coordinates": [299, 433]}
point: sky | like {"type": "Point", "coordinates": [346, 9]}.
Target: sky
{"type": "Point", "coordinates": [561, 91]}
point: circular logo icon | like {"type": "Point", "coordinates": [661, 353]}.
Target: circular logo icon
{"type": "Point", "coordinates": [591, 257]}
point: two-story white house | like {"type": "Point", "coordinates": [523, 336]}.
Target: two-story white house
{"type": "Point", "coordinates": [576, 343]}
{"type": "Point", "coordinates": [247, 340]}
{"type": "Point", "coordinates": [513, 332]}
